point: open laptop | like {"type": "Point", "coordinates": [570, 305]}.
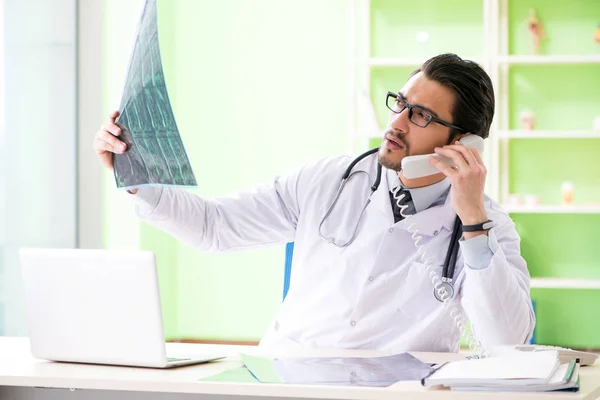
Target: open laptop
{"type": "Point", "coordinates": [96, 306]}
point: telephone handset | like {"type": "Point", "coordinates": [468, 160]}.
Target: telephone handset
{"type": "Point", "coordinates": [419, 166]}
{"type": "Point", "coordinates": [564, 354]}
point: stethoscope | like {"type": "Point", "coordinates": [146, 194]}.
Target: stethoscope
{"type": "Point", "coordinates": [451, 254]}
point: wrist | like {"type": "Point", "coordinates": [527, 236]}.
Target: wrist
{"type": "Point", "coordinates": [474, 217]}
{"type": "Point", "coordinates": [473, 230]}
{"type": "Point", "coordinates": [471, 235]}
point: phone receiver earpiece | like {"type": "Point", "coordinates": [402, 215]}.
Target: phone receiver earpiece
{"type": "Point", "coordinates": [473, 141]}
{"type": "Point", "coordinates": [418, 166]}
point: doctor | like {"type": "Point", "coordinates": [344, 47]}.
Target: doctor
{"type": "Point", "coordinates": [369, 288]}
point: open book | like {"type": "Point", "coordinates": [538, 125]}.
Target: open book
{"type": "Point", "coordinates": [520, 372]}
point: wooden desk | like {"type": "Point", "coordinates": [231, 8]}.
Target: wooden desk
{"type": "Point", "coordinates": [23, 377]}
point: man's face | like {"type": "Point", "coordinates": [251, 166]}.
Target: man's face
{"type": "Point", "coordinates": [402, 137]}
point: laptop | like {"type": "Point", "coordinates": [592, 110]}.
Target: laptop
{"type": "Point", "coordinates": [96, 306]}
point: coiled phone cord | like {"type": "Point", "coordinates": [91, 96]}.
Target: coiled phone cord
{"type": "Point", "coordinates": [455, 314]}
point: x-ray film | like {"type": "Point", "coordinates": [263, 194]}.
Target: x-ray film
{"type": "Point", "coordinates": [155, 153]}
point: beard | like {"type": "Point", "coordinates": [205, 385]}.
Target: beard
{"type": "Point", "coordinates": [391, 159]}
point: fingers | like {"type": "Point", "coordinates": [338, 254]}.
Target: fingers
{"type": "Point", "coordinates": [102, 144]}
{"type": "Point", "coordinates": [106, 138]}
{"type": "Point", "coordinates": [113, 116]}
{"type": "Point", "coordinates": [455, 155]}
{"type": "Point", "coordinates": [480, 162]}
{"type": "Point", "coordinates": [445, 169]}
{"type": "Point", "coordinates": [105, 141]}
{"type": "Point", "coordinates": [473, 157]}
{"type": "Point", "coordinates": [477, 156]}
{"type": "Point", "coordinates": [112, 128]}
{"type": "Point", "coordinates": [465, 151]}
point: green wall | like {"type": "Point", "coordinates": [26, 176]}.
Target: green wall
{"type": "Point", "coordinates": [561, 96]}
{"type": "Point", "coordinates": [567, 317]}
{"type": "Point", "coordinates": [257, 88]}
{"type": "Point", "coordinates": [539, 166]}
{"type": "Point", "coordinates": [454, 26]}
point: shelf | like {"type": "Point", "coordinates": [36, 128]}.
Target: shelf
{"type": "Point", "coordinates": [553, 209]}
{"type": "Point", "coordinates": [536, 60]}
{"type": "Point", "coordinates": [402, 62]}
{"type": "Point", "coordinates": [517, 134]}
{"type": "Point", "coordinates": [564, 283]}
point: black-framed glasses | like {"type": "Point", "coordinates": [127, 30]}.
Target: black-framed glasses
{"type": "Point", "coordinates": [417, 115]}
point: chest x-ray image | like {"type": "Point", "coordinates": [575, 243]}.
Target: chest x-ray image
{"type": "Point", "coordinates": [155, 153]}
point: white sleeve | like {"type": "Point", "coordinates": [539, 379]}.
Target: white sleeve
{"type": "Point", "coordinates": [264, 216]}
{"type": "Point", "coordinates": [496, 298]}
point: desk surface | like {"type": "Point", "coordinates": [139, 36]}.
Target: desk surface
{"type": "Point", "coordinates": [19, 368]}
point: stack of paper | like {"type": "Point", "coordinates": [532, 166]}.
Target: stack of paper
{"type": "Point", "coordinates": [523, 372]}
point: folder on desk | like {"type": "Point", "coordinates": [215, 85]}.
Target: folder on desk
{"type": "Point", "coordinates": [528, 372]}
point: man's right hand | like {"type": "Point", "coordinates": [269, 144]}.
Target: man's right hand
{"type": "Point", "coordinates": [106, 142]}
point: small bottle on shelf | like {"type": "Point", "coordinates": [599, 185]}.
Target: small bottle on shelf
{"type": "Point", "coordinates": [566, 190]}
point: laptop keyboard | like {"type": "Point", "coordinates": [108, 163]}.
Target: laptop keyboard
{"type": "Point", "coordinates": [171, 359]}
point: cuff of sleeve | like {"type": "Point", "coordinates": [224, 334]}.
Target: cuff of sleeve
{"type": "Point", "coordinates": [146, 199]}
{"type": "Point", "coordinates": [478, 251]}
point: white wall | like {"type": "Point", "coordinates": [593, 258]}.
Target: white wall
{"type": "Point", "coordinates": [90, 117]}
{"type": "Point", "coordinates": [2, 175]}
{"type": "Point", "coordinates": [101, 73]}
{"type": "Point", "coordinates": [38, 165]}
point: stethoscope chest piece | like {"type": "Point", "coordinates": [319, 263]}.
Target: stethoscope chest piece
{"type": "Point", "coordinates": [443, 291]}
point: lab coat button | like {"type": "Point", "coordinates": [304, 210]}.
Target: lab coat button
{"type": "Point", "coordinates": [353, 323]}
{"type": "Point", "coordinates": [391, 230]}
{"type": "Point", "coordinates": [371, 279]}
{"type": "Point", "coordinates": [436, 233]}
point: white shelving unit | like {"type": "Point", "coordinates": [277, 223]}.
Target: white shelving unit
{"type": "Point", "coordinates": [503, 63]}
{"type": "Point", "coordinates": [564, 283]}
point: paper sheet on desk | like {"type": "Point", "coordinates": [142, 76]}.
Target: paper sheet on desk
{"type": "Point", "coordinates": [155, 154]}
{"type": "Point", "coordinates": [346, 371]}
{"type": "Point", "coordinates": [236, 375]}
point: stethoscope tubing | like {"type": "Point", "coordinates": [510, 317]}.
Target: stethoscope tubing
{"type": "Point", "coordinates": [451, 254]}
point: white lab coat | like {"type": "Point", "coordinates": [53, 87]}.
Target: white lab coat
{"type": "Point", "coordinates": [373, 294]}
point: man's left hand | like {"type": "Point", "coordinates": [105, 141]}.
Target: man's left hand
{"type": "Point", "coordinates": [467, 177]}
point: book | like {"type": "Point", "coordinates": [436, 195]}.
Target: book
{"type": "Point", "coordinates": [517, 372]}
{"type": "Point", "coordinates": [566, 378]}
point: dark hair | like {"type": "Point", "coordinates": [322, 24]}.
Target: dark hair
{"type": "Point", "coordinates": [472, 87]}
